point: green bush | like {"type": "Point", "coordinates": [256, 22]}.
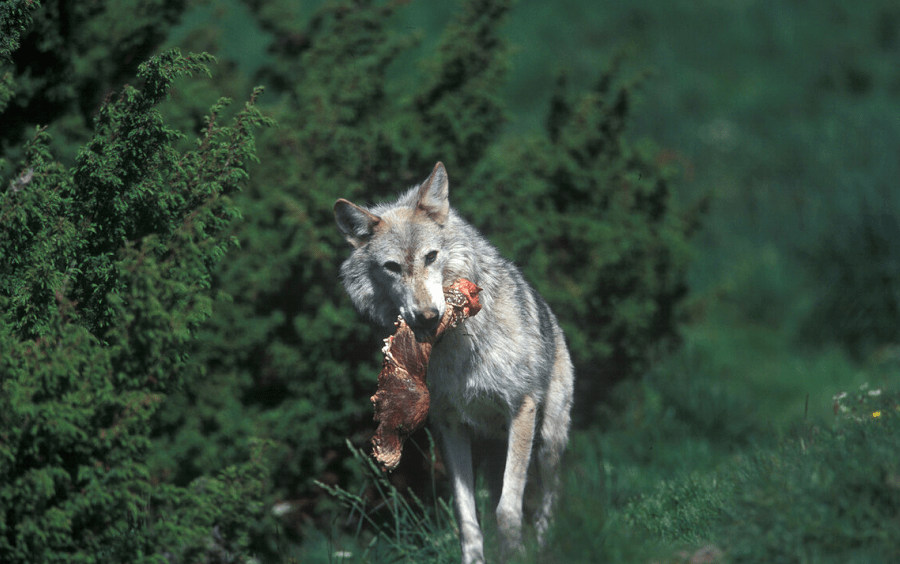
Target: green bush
{"type": "Point", "coordinates": [73, 54]}
{"type": "Point", "coordinates": [857, 304]}
{"type": "Point", "coordinates": [105, 276]}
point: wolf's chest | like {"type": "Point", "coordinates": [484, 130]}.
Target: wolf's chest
{"type": "Point", "coordinates": [464, 390]}
{"type": "Point", "coordinates": [483, 413]}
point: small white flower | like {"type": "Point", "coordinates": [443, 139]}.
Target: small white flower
{"type": "Point", "coordinates": [282, 508]}
{"type": "Point", "coordinates": [874, 392]}
{"type": "Point", "coordinates": [840, 396]}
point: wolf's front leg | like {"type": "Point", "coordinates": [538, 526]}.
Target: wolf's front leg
{"type": "Point", "coordinates": [518, 457]}
{"type": "Point", "coordinates": [458, 460]}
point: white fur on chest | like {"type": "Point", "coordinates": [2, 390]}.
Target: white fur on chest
{"type": "Point", "coordinates": [471, 386]}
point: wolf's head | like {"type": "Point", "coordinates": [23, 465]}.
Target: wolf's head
{"type": "Point", "coordinates": [400, 255]}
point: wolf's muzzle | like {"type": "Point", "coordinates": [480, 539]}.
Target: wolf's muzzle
{"type": "Point", "coordinates": [424, 322]}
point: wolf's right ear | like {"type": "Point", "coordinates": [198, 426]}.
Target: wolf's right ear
{"type": "Point", "coordinates": [356, 224]}
{"type": "Point", "coordinates": [433, 195]}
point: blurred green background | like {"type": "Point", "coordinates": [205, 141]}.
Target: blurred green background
{"type": "Point", "coordinates": [768, 130]}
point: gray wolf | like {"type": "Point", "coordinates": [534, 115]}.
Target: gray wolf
{"type": "Point", "coordinates": [501, 384]}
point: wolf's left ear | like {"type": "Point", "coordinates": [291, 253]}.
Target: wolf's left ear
{"type": "Point", "coordinates": [434, 195]}
{"type": "Point", "coordinates": [355, 223]}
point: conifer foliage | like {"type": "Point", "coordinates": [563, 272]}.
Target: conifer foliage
{"type": "Point", "coordinates": [104, 278]}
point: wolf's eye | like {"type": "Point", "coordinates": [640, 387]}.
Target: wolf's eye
{"type": "Point", "coordinates": [429, 258]}
{"type": "Point", "coordinates": [392, 266]}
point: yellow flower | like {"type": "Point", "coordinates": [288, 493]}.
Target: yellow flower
{"type": "Point", "coordinates": [876, 414]}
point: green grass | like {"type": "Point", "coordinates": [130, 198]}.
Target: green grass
{"type": "Point", "coordinates": [736, 444]}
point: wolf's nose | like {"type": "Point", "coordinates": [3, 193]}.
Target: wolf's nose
{"type": "Point", "coordinates": [427, 319]}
